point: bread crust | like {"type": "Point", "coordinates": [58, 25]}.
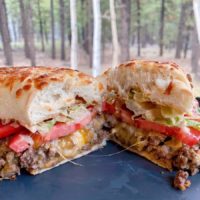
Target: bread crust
{"type": "Point", "coordinates": [94, 148]}
{"type": "Point", "coordinates": [30, 95]}
{"type": "Point", "coordinates": [164, 83]}
{"type": "Point", "coordinates": [167, 164]}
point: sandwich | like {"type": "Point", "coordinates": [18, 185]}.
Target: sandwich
{"type": "Point", "coordinates": [151, 111]}
{"type": "Point", "coordinates": [48, 116]}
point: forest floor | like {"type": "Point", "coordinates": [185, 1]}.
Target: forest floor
{"type": "Point", "coordinates": [44, 58]}
{"type": "Point", "coordinates": [150, 53]}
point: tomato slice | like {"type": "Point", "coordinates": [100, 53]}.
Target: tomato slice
{"type": "Point", "coordinates": [63, 129]}
{"type": "Point", "coordinates": [108, 107]}
{"type": "Point", "coordinates": [187, 135]}
{"type": "Point", "coordinates": [20, 142]}
{"type": "Point", "coordinates": [7, 130]}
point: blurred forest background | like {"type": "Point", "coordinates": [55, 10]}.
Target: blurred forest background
{"type": "Point", "coordinates": [91, 35]}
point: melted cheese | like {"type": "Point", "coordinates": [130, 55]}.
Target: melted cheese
{"type": "Point", "coordinates": [70, 145]}
{"type": "Point", "coordinates": [131, 136]}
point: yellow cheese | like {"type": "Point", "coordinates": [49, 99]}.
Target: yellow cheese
{"type": "Point", "coordinates": [69, 145]}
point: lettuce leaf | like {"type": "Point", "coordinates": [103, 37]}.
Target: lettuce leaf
{"type": "Point", "coordinates": [46, 126]}
{"type": "Point", "coordinates": [173, 121]}
{"type": "Point", "coordinates": [193, 124]}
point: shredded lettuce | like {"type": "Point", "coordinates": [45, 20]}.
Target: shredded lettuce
{"type": "Point", "coordinates": [174, 121]}
{"type": "Point", "coordinates": [46, 126]}
{"type": "Point", "coordinates": [193, 124]}
{"type": "Point", "coordinates": [51, 123]}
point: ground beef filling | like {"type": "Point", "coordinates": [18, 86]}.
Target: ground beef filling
{"type": "Point", "coordinates": [47, 155]}
{"type": "Point", "coordinates": [180, 180]}
{"type": "Point", "coordinates": [181, 156]}
{"type": "Point", "coordinates": [9, 162]}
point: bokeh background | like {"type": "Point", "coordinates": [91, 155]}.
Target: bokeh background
{"type": "Point", "coordinates": [92, 35]}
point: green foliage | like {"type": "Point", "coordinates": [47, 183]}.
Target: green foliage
{"type": "Point", "coordinates": [150, 18]}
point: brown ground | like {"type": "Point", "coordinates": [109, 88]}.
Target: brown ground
{"type": "Point", "coordinates": [151, 52]}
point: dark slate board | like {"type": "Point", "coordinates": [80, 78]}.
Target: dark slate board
{"type": "Point", "coordinates": [117, 177]}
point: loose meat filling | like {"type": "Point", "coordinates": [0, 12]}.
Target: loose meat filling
{"type": "Point", "coordinates": [51, 153]}
{"type": "Point", "coordinates": [9, 162]}
{"type": "Point", "coordinates": [181, 181]}
{"type": "Point", "coordinates": [179, 155]}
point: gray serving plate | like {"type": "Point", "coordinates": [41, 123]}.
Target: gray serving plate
{"type": "Point", "coordinates": [101, 176]}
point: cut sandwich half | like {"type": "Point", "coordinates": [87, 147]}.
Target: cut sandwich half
{"type": "Point", "coordinates": [152, 111]}
{"type": "Point", "coordinates": [48, 116]}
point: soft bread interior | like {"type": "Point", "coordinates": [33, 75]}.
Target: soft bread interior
{"type": "Point", "coordinates": [57, 97]}
{"type": "Point", "coordinates": [32, 95]}
{"type": "Point", "coordinates": [162, 83]}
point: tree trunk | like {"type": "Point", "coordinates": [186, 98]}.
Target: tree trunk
{"type": "Point", "coordinates": [62, 29]}
{"type": "Point", "coordinates": [41, 26]}
{"type": "Point", "coordinates": [74, 35]}
{"type": "Point", "coordinates": [125, 11]}
{"type": "Point", "coordinates": [24, 28]}
{"type": "Point", "coordinates": [46, 32]}
{"type": "Point", "coordinates": [115, 42]}
{"type": "Point", "coordinates": [181, 27]}
{"type": "Point", "coordinates": [14, 30]}
{"type": "Point", "coordinates": [90, 32]}
{"type": "Point", "coordinates": [96, 64]}
{"type": "Point", "coordinates": [53, 46]}
{"type": "Point", "coordinates": [195, 52]}
{"type": "Point", "coordinates": [138, 27]}
{"type": "Point", "coordinates": [186, 43]}
{"type": "Point", "coordinates": [196, 9]}
{"type": "Point", "coordinates": [30, 34]}
{"type": "Point", "coordinates": [5, 33]}
{"type": "Point", "coordinates": [161, 32]}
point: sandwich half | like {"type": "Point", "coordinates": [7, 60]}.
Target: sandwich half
{"type": "Point", "coordinates": [48, 116]}
{"type": "Point", "coordinates": [151, 109]}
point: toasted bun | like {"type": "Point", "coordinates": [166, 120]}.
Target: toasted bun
{"type": "Point", "coordinates": [94, 148]}
{"type": "Point", "coordinates": [164, 83]}
{"type": "Point", "coordinates": [167, 164]}
{"type": "Point", "coordinates": [30, 95]}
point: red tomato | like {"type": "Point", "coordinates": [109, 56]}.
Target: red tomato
{"type": "Point", "coordinates": [152, 126]}
{"type": "Point", "coordinates": [108, 107]}
{"type": "Point", "coordinates": [20, 142]}
{"type": "Point", "coordinates": [7, 130]}
{"type": "Point", "coordinates": [187, 135]}
{"type": "Point", "coordinates": [63, 129]}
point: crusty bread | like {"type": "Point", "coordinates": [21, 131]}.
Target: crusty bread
{"type": "Point", "coordinates": [164, 83]}
{"type": "Point", "coordinates": [164, 163]}
{"type": "Point", "coordinates": [30, 95]}
{"type": "Point", "coordinates": [94, 148]}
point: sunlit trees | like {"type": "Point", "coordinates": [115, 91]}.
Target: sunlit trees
{"type": "Point", "coordinates": [97, 38]}
{"type": "Point", "coordinates": [74, 35]}
{"type": "Point", "coordinates": [162, 25]}
{"type": "Point", "coordinates": [125, 14]}
{"type": "Point", "coordinates": [5, 33]}
{"type": "Point", "coordinates": [115, 42]}
{"type": "Point", "coordinates": [27, 29]}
